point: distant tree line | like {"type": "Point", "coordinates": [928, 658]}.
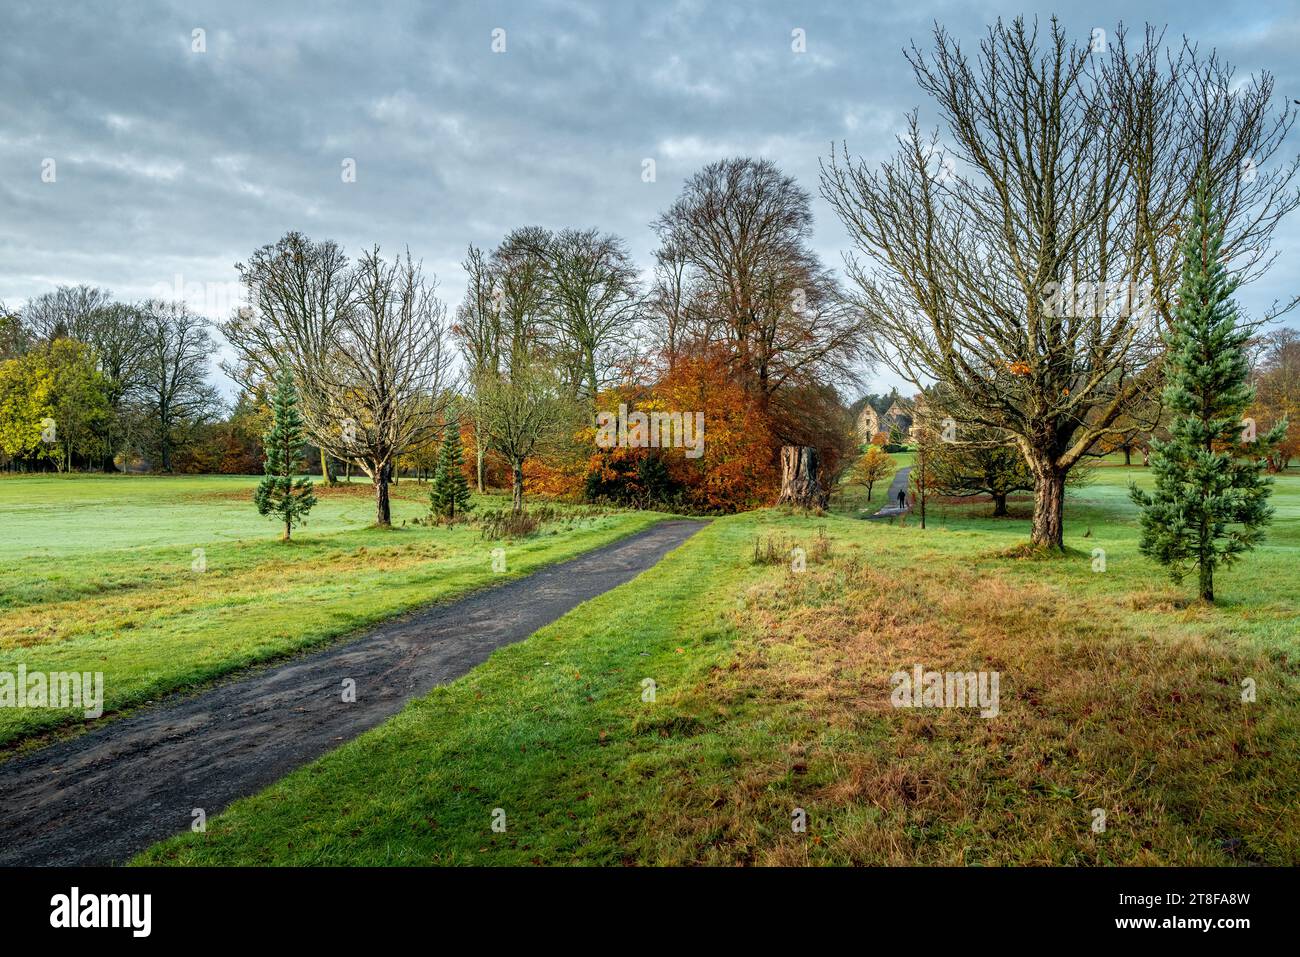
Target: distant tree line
{"type": "Point", "coordinates": [87, 382]}
{"type": "Point", "coordinates": [741, 322]}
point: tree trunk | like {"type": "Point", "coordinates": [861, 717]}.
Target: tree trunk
{"type": "Point", "coordinates": [1128, 455]}
{"type": "Point", "coordinates": [383, 513]}
{"type": "Point", "coordinates": [325, 472]}
{"type": "Point", "coordinates": [1049, 504]}
{"type": "Point", "coordinates": [1204, 555]}
{"type": "Point", "coordinates": [999, 506]}
{"type": "Point", "coordinates": [478, 464]}
{"type": "Point", "coordinates": [800, 483]}
{"type": "Point", "coordinates": [518, 487]}
{"type": "Point", "coordinates": [592, 385]}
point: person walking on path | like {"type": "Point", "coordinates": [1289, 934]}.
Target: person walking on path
{"type": "Point", "coordinates": [896, 497]}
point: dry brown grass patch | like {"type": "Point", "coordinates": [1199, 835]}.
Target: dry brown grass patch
{"type": "Point", "coordinates": [1093, 714]}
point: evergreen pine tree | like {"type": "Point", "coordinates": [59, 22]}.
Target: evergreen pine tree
{"type": "Point", "coordinates": [279, 493]}
{"type": "Point", "coordinates": [450, 492]}
{"type": "Point", "coordinates": [1210, 503]}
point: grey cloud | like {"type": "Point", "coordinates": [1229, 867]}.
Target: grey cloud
{"type": "Point", "coordinates": [175, 163]}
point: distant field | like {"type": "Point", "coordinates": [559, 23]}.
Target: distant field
{"type": "Point", "coordinates": [1118, 695]}
{"type": "Point", "coordinates": [99, 573]}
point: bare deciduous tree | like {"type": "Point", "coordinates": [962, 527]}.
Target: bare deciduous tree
{"type": "Point", "coordinates": [478, 329]}
{"type": "Point", "coordinates": [1007, 268]}
{"type": "Point", "coordinates": [175, 394]}
{"type": "Point", "coordinates": [519, 268]}
{"type": "Point", "coordinates": [118, 340]}
{"type": "Point", "coordinates": [115, 335]}
{"type": "Point", "coordinates": [382, 385]}
{"type": "Point", "coordinates": [562, 302]}
{"type": "Point", "coordinates": [669, 303]}
{"type": "Point", "coordinates": [738, 238]}
{"type": "Point", "coordinates": [67, 312]}
{"type": "Point", "coordinates": [590, 298]}
{"type": "Point", "coordinates": [298, 291]}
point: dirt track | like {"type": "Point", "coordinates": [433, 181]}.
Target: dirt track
{"type": "Point", "coordinates": [102, 797]}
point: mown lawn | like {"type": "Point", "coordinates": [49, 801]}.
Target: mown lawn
{"type": "Point", "coordinates": [1117, 694]}
{"type": "Point", "coordinates": [166, 583]}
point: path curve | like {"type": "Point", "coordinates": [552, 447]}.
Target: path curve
{"type": "Point", "coordinates": [104, 796]}
{"type": "Point", "coordinates": [898, 484]}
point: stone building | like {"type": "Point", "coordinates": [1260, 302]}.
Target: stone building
{"type": "Point", "coordinates": [900, 415]}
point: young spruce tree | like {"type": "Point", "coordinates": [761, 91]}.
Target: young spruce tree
{"type": "Point", "coordinates": [1210, 503]}
{"type": "Point", "coordinates": [450, 491]}
{"type": "Point", "coordinates": [279, 493]}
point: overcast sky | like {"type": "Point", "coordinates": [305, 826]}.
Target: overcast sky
{"type": "Point", "coordinates": [172, 165]}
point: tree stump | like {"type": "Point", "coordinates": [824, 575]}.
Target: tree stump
{"type": "Point", "coordinates": [800, 478]}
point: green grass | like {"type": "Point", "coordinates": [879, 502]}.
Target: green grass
{"type": "Point", "coordinates": [1262, 591]}
{"type": "Point", "coordinates": [98, 573]}
{"type": "Point", "coordinates": [773, 694]}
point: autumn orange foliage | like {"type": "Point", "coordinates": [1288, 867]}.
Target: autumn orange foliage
{"type": "Point", "coordinates": [561, 479]}
{"type": "Point", "coordinates": [737, 469]}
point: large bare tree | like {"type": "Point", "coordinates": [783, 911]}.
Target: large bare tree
{"type": "Point", "coordinates": [479, 331]}
{"type": "Point", "coordinates": [1028, 259]}
{"type": "Point", "coordinates": [563, 302]}
{"type": "Point", "coordinates": [381, 386]}
{"type": "Point", "coordinates": [591, 298]}
{"type": "Point", "coordinates": [116, 336]}
{"type": "Point", "coordinates": [67, 312]}
{"type": "Point", "coordinates": [668, 306]}
{"type": "Point", "coordinates": [120, 345]}
{"type": "Point", "coordinates": [738, 238]}
{"type": "Point", "coordinates": [520, 271]}
{"type": "Point", "coordinates": [298, 291]}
